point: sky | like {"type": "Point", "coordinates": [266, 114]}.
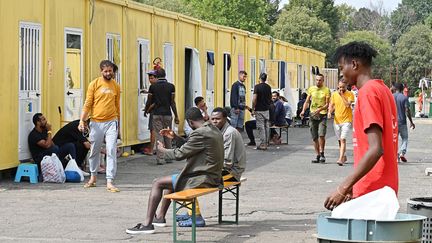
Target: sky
{"type": "Point", "coordinates": [389, 5]}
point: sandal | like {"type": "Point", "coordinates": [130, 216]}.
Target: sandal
{"type": "Point", "coordinates": [113, 189]}
{"type": "Point", "coordinates": [88, 185]}
{"type": "Point", "coordinates": [340, 163]}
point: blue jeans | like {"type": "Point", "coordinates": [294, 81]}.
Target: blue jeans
{"type": "Point", "coordinates": [237, 120]}
{"type": "Point", "coordinates": [403, 132]}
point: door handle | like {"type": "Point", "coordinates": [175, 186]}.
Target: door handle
{"type": "Point", "coordinates": [69, 93]}
{"type": "Point", "coordinates": [37, 94]}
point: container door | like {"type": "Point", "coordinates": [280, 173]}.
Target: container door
{"type": "Point", "coordinates": [73, 75]}
{"type": "Point", "coordinates": [252, 78]}
{"type": "Point", "coordinates": [143, 87]}
{"type": "Point", "coordinates": [30, 71]}
{"type": "Point", "coordinates": [196, 82]}
{"type": "Point", "coordinates": [210, 82]}
{"type": "Point", "coordinates": [168, 64]}
{"type": "Point", "coordinates": [226, 78]}
{"type": "Point", "coordinates": [113, 45]}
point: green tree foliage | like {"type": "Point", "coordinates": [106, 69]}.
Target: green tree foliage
{"type": "Point", "coordinates": [382, 46]}
{"type": "Point", "coordinates": [401, 20]}
{"type": "Point", "coordinates": [414, 54]}
{"type": "Point", "coordinates": [346, 18]}
{"type": "Point", "coordinates": [322, 9]}
{"type": "Point", "coordinates": [371, 20]}
{"type": "Point", "coordinates": [422, 8]}
{"type": "Point", "coordinates": [248, 15]}
{"type": "Point", "coordinates": [179, 6]}
{"type": "Point", "coordinates": [297, 26]}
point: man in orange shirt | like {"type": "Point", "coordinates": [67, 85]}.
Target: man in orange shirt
{"type": "Point", "coordinates": [103, 102]}
{"type": "Point", "coordinates": [375, 127]}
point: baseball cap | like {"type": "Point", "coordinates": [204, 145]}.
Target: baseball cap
{"type": "Point", "coordinates": [152, 72]}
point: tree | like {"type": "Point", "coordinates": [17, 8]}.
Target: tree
{"type": "Point", "coordinates": [346, 18]}
{"type": "Point", "coordinates": [422, 8]}
{"type": "Point", "coordinates": [402, 19]}
{"type": "Point", "coordinates": [382, 61]}
{"type": "Point", "coordinates": [371, 20]}
{"type": "Point", "coordinates": [179, 6]}
{"type": "Point", "coordinates": [322, 9]}
{"type": "Point", "coordinates": [298, 27]}
{"type": "Point", "coordinates": [414, 54]}
{"type": "Point", "coordinates": [250, 15]}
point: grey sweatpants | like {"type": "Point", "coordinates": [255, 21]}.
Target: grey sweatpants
{"type": "Point", "coordinates": [159, 123]}
{"type": "Point", "coordinates": [262, 123]}
{"type": "Point", "coordinates": [98, 132]}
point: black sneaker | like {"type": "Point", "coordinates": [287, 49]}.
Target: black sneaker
{"type": "Point", "coordinates": [251, 143]}
{"type": "Point", "coordinates": [159, 222]}
{"type": "Point", "coordinates": [322, 159]}
{"type": "Point", "coordinates": [141, 229]}
{"type": "Point", "coordinates": [317, 160]}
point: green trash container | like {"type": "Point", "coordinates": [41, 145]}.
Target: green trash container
{"type": "Point", "coordinates": [412, 107]}
{"type": "Point", "coordinates": [430, 108]}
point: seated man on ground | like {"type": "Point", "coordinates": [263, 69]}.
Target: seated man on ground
{"type": "Point", "coordinates": [41, 144]}
{"type": "Point", "coordinates": [204, 155]}
{"type": "Point", "coordinates": [279, 117]}
{"type": "Point", "coordinates": [70, 134]}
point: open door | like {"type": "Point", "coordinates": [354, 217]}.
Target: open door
{"type": "Point", "coordinates": [226, 78]}
{"type": "Point", "coordinates": [73, 75]}
{"type": "Point", "coordinates": [30, 72]}
{"type": "Point", "coordinates": [252, 79]}
{"type": "Point", "coordinates": [210, 82]}
{"type": "Point", "coordinates": [193, 84]}
{"type": "Point", "coordinates": [143, 87]}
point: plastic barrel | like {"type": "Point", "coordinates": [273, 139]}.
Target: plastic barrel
{"type": "Point", "coordinates": [422, 206]}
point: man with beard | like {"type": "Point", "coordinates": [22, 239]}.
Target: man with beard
{"type": "Point", "coordinates": [103, 101]}
{"type": "Point", "coordinates": [41, 143]}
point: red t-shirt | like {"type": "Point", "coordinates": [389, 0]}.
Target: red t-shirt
{"type": "Point", "coordinates": [376, 105]}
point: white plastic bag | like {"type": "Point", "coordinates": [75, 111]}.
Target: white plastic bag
{"type": "Point", "coordinates": [381, 204]}
{"type": "Point", "coordinates": [72, 166]}
{"type": "Point", "coordinates": [52, 169]}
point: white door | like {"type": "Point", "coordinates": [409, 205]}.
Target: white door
{"type": "Point", "coordinates": [252, 78]}
{"type": "Point", "coordinates": [113, 45]}
{"type": "Point", "coordinates": [143, 87]}
{"type": "Point", "coordinates": [73, 75]}
{"type": "Point", "coordinates": [196, 82]}
{"type": "Point", "coordinates": [30, 69]}
{"type": "Point", "coordinates": [210, 82]}
{"type": "Point", "coordinates": [168, 64]}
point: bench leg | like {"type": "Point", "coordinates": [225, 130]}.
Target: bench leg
{"type": "Point", "coordinates": [236, 195]}
{"type": "Point", "coordinates": [175, 209]}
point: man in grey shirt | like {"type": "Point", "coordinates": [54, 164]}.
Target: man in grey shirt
{"type": "Point", "coordinates": [235, 153]}
{"type": "Point", "coordinates": [403, 111]}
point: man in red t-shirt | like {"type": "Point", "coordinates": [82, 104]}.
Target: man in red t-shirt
{"type": "Point", "coordinates": [375, 128]}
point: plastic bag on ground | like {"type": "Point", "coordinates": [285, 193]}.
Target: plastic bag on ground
{"type": "Point", "coordinates": [52, 169]}
{"type": "Point", "coordinates": [381, 204]}
{"type": "Point", "coordinates": [72, 166]}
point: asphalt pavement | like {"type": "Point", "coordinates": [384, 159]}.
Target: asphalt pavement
{"type": "Point", "coordinates": [279, 202]}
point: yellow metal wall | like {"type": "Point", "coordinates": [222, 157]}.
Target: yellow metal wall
{"type": "Point", "coordinates": [131, 21]}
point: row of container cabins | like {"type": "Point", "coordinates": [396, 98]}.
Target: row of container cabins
{"type": "Point", "coordinates": [51, 50]}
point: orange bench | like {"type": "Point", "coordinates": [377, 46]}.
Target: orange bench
{"type": "Point", "coordinates": [188, 197]}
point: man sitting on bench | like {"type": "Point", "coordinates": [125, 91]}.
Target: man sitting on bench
{"type": "Point", "coordinates": [204, 155]}
{"type": "Point", "coordinates": [278, 119]}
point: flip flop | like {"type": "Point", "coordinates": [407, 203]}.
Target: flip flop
{"type": "Point", "coordinates": [340, 163]}
{"type": "Point", "coordinates": [113, 189]}
{"type": "Point", "coordinates": [88, 185]}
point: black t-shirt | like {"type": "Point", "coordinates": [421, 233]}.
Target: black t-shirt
{"type": "Point", "coordinates": [33, 138]}
{"type": "Point", "coordinates": [69, 134]}
{"type": "Point", "coordinates": [161, 96]}
{"type": "Point", "coordinates": [264, 94]}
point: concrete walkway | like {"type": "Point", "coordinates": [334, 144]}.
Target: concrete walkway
{"type": "Point", "coordinates": [278, 203]}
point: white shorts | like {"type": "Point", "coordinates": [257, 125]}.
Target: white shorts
{"type": "Point", "coordinates": [342, 130]}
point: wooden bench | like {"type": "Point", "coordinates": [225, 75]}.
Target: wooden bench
{"type": "Point", "coordinates": [282, 129]}
{"type": "Point", "coordinates": [188, 197]}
